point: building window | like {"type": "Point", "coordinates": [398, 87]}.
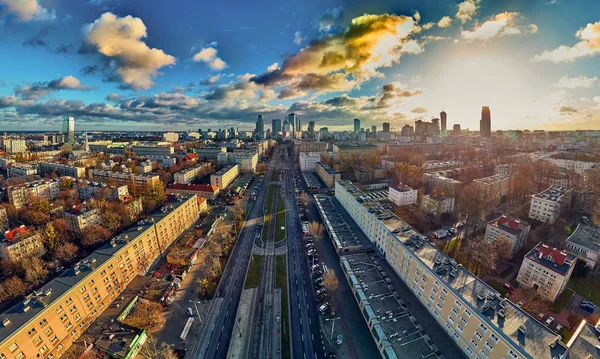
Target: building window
{"type": "Point", "coordinates": [48, 331]}
{"type": "Point", "coordinates": [494, 338]}
{"type": "Point", "coordinates": [43, 322]}
{"type": "Point", "coordinates": [31, 331]}
{"type": "Point", "coordinates": [474, 343]}
{"type": "Point", "coordinates": [489, 346]}
{"type": "Point", "coordinates": [482, 328]}
{"type": "Point", "coordinates": [478, 336]}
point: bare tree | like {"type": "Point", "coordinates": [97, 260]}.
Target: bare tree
{"type": "Point", "coordinates": [146, 315]}
{"type": "Point", "coordinates": [316, 229]}
{"type": "Point", "coordinates": [304, 198]}
{"type": "Point", "coordinates": [331, 283]}
{"type": "Point", "coordinates": [153, 349]}
{"type": "Point", "coordinates": [36, 271]}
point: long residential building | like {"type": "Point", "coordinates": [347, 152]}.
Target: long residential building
{"type": "Point", "coordinates": [480, 321]}
{"type": "Point", "coordinates": [146, 179]}
{"type": "Point", "coordinates": [50, 319]}
{"type": "Point", "coordinates": [223, 177]}
{"type": "Point", "coordinates": [327, 174]}
{"type": "Point", "coordinates": [19, 170]}
{"type": "Point", "coordinates": [547, 205]}
{"type": "Point", "coordinates": [61, 169]}
{"type": "Point", "coordinates": [210, 153]}
{"type": "Point", "coordinates": [585, 243]}
{"type": "Point", "coordinates": [492, 188]}
{"type": "Point", "coordinates": [19, 195]}
{"type": "Point", "coordinates": [147, 150]}
{"type": "Point", "coordinates": [202, 190]}
{"type": "Point", "coordinates": [187, 175]}
{"type": "Point", "coordinates": [308, 160]}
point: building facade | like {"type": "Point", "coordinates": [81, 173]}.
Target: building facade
{"type": "Point", "coordinates": [327, 174]}
{"type": "Point", "coordinates": [437, 204]}
{"type": "Point", "coordinates": [148, 150]}
{"type": "Point", "coordinates": [20, 243]}
{"type": "Point", "coordinates": [19, 170]}
{"type": "Point", "coordinates": [20, 195]}
{"type": "Point", "coordinates": [308, 160]}
{"type": "Point", "coordinates": [513, 229]}
{"type": "Point", "coordinates": [187, 175]}
{"type": "Point", "coordinates": [223, 177]}
{"type": "Point", "coordinates": [547, 205]}
{"type": "Point", "coordinates": [142, 179]}
{"type": "Point", "coordinates": [402, 195]}
{"type": "Point", "coordinates": [80, 217]}
{"type": "Point", "coordinates": [492, 188]}
{"type": "Point", "coordinates": [585, 243]}
{"type": "Point", "coordinates": [61, 169]}
{"type": "Point", "coordinates": [201, 190]}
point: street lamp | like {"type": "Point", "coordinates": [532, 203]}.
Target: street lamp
{"type": "Point", "coordinates": [333, 325]}
{"type": "Point", "coordinates": [197, 311]}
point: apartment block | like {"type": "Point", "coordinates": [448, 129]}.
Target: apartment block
{"type": "Point", "coordinates": [433, 181]}
{"type": "Point", "coordinates": [248, 160]}
{"type": "Point", "coordinates": [202, 190]}
{"type": "Point", "coordinates": [505, 169]}
{"type": "Point", "coordinates": [12, 145]}
{"type": "Point", "coordinates": [585, 243]}
{"type": "Point", "coordinates": [223, 177]}
{"type": "Point", "coordinates": [308, 160]}
{"type": "Point", "coordinates": [492, 188]}
{"type": "Point", "coordinates": [80, 217]}
{"type": "Point", "coordinates": [431, 166]}
{"type": "Point", "coordinates": [547, 205]}
{"type": "Point", "coordinates": [19, 170]}
{"type": "Point", "coordinates": [210, 153]}
{"type": "Point", "coordinates": [147, 150]}
{"type": "Point", "coordinates": [577, 166]}
{"type": "Point", "coordinates": [144, 179]}
{"type": "Point", "coordinates": [402, 195]}
{"type": "Point", "coordinates": [437, 204]}
{"type": "Point", "coordinates": [50, 319]}
{"type": "Point", "coordinates": [88, 189]}
{"type": "Point", "coordinates": [309, 146]}
{"type": "Point", "coordinates": [61, 169]}
{"type": "Point", "coordinates": [513, 229]}
{"type": "Point", "coordinates": [19, 243]}
{"type": "Point", "coordinates": [547, 270]}
{"type": "Point", "coordinates": [477, 318]}
{"type": "Point", "coordinates": [3, 219]}
{"type": "Point", "coordinates": [170, 137]}
{"type": "Point", "coordinates": [20, 195]}
{"type": "Point", "coordinates": [327, 174]}
{"type": "Point", "coordinates": [187, 175]}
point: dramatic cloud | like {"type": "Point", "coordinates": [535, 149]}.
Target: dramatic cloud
{"type": "Point", "coordinates": [567, 110]}
{"type": "Point", "coordinates": [444, 22]}
{"type": "Point", "coordinates": [419, 110]}
{"type": "Point", "coordinates": [24, 10]}
{"type": "Point", "coordinates": [466, 10]}
{"type": "Point", "coordinates": [588, 46]}
{"type": "Point", "coordinates": [394, 92]}
{"type": "Point", "coordinates": [329, 21]}
{"type": "Point", "coordinates": [209, 56]}
{"type": "Point", "coordinates": [210, 80]}
{"type": "Point", "coordinates": [343, 61]}
{"type": "Point", "coordinates": [34, 91]}
{"type": "Point", "coordinates": [120, 38]}
{"type": "Point", "coordinates": [299, 38]}
{"type": "Point", "coordinates": [500, 24]}
{"type": "Point", "coordinates": [427, 26]}
{"type": "Point", "coordinates": [412, 47]}
{"type": "Point", "coordinates": [574, 82]}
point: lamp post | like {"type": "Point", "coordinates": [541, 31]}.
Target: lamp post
{"type": "Point", "coordinates": [197, 312]}
{"type": "Point", "coordinates": [333, 325]}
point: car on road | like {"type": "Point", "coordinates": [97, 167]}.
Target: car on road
{"type": "Point", "coordinates": [321, 298]}
{"type": "Point", "coordinates": [509, 288]}
{"type": "Point", "coordinates": [321, 291]}
{"type": "Point", "coordinates": [323, 307]}
{"type": "Point", "coordinates": [549, 321]}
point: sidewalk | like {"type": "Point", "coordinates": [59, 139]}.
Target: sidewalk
{"type": "Point", "coordinates": [238, 347]}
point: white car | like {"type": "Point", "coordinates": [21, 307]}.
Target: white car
{"type": "Point", "coordinates": [324, 307]}
{"type": "Point", "coordinates": [549, 320]}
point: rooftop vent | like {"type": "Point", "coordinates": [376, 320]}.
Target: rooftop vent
{"type": "Point", "coordinates": [5, 322]}
{"type": "Point", "coordinates": [522, 328]}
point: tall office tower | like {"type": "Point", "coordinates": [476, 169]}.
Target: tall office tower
{"type": "Point", "coordinates": [87, 145]}
{"type": "Point", "coordinates": [456, 129]}
{"type": "Point", "coordinates": [69, 129]}
{"type": "Point", "coordinates": [356, 125]}
{"type": "Point", "coordinates": [311, 129]}
{"type": "Point", "coordinates": [275, 126]}
{"type": "Point", "coordinates": [485, 125]}
{"type": "Point", "coordinates": [287, 127]}
{"type": "Point", "coordinates": [434, 128]}
{"type": "Point", "coordinates": [260, 127]}
{"type": "Point", "coordinates": [374, 131]}
{"type": "Point", "coordinates": [386, 127]}
{"type": "Point", "coordinates": [444, 117]}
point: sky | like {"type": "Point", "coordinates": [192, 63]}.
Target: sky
{"type": "Point", "coordinates": [187, 65]}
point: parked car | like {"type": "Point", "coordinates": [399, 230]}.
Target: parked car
{"type": "Point", "coordinates": [315, 267]}
{"type": "Point", "coordinates": [189, 312]}
{"type": "Point", "coordinates": [321, 291]}
{"type": "Point", "coordinates": [320, 298]}
{"type": "Point", "coordinates": [318, 280]}
{"type": "Point", "coordinates": [317, 273]}
{"type": "Point", "coordinates": [587, 307]}
{"type": "Point", "coordinates": [324, 307]}
{"type": "Point", "coordinates": [509, 287]}
{"type": "Point", "coordinates": [549, 320]}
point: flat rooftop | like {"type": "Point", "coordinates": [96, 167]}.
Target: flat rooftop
{"type": "Point", "coordinates": [504, 315]}
{"type": "Point", "coordinates": [491, 179]}
{"type": "Point", "coordinates": [327, 168]}
{"type": "Point", "coordinates": [586, 345]}
{"type": "Point", "coordinates": [311, 180]}
{"type": "Point", "coordinates": [553, 193]}
{"type": "Point", "coordinates": [587, 236]}
{"type": "Point", "coordinates": [394, 321]}
{"type": "Point", "coordinates": [343, 231]}
{"type": "Point", "coordinates": [224, 170]}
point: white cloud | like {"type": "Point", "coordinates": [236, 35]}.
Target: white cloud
{"type": "Point", "coordinates": [466, 10]}
{"type": "Point", "coordinates": [121, 38]}
{"type": "Point", "coordinates": [427, 26]}
{"type": "Point", "coordinates": [500, 24]}
{"type": "Point", "coordinates": [25, 10]}
{"type": "Point", "coordinates": [417, 16]}
{"type": "Point", "coordinates": [575, 82]}
{"type": "Point", "coordinates": [209, 56]}
{"type": "Point", "coordinates": [588, 46]}
{"type": "Point", "coordinates": [210, 80]}
{"type": "Point", "coordinates": [412, 47]}
{"type": "Point", "coordinates": [273, 67]}
{"type": "Point", "coordinates": [444, 22]}
{"type": "Point", "coordinates": [298, 38]}
{"type": "Point", "coordinates": [533, 28]}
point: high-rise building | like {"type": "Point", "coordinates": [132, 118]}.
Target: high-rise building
{"type": "Point", "coordinates": [275, 126]}
{"type": "Point", "coordinates": [456, 129]}
{"type": "Point", "coordinates": [374, 131]}
{"type": "Point", "coordinates": [434, 128]}
{"type": "Point", "coordinates": [386, 127]}
{"type": "Point", "coordinates": [69, 129]}
{"type": "Point", "coordinates": [311, 129]}
{"type": "Point", "coordinates": [292, 121]}
{"type": "Point", "coordinates": [485, 125]}
{"type": "Point", "coordinates": [444, 117]}
{"type": "Point", "coordinates": [260, 127]}
{"type": "Point", "coordinates": [356, 125]}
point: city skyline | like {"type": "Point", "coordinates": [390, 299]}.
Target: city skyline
{"type": "Point", "coordinates": [114, 66]}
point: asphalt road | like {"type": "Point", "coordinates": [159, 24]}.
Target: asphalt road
{"type": "Point", "coordinates": [306, 340]}
{"type": "Point", "coordinates": [232, 282]}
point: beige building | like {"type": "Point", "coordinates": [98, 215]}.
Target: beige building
{"type": "Point", "coordinates": [20, 195]}
{"type": "Point", "coordinates": [476, 318]}
{"type": "Point", "coordinates": [437, 204]}
{"type": "Point", "coordinates": [19, 170]}
{"type": "Point", "coordinates": [148, 150]}
{"type": "Point", "coordinates": [547, 270]}
{"type": "Point", "coordinates": [492, 188]}
{"type": "Point", "coordinates": [248, 160]}
{"type": "Point", "coordinates": [144, 179]}
{"type": "Point", "coordinates": [170, 137]}
{"type": "Point", "coordinates": [80, 217]}
{"type": "Point", "coordinates": [187, 175]}
{"type": "Point", "coordinates": [513, 229]}
{"type": "Point", "coordinates": [547, 205]}
{"type": "Point", "coordinates": [202, 190]}
{"type": "Point", "coordinates": [61, 169]}
{"type": "Point", "coordinates": [308, 160]}
{"type": "Point", "coordinates": [309, 146]}
{"type": "Point", "coordinates": [585, 243]}
{"type": "Point", "coordinates": [223, 177]}
{"type": "Point", "coordinates": [50, 319]}
{"type": "Point", "coordinates": [327, 174]}
{"type": "Point", "coordinates": [87, 189]}
{"type": "Point", "coordinates": [20, 243]}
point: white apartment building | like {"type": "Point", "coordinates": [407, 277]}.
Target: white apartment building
{"type": "Point", "coordinates": [248, 160]}
{"type": "Point", "coordinates": [308, 160]}
{"type": "Point", "coordinates": [61, 170]}
{"type": "Point", "coordinates": [19, 169]}
{"type": "Point", "coordinates": [578, 166]}
{"type": "Point", "coordinates": [547, 270]}
{"type": "Point", "coordinates": [479, 320]}
{"type": "Point", "coordinates": [20, 195]}
{"type": "Point", "coordinates": [585, 243]}
{"type": "Point", "coordinates": [12, 145]}
{"type": "Point", "coordinates": [170, 137]}
{"type": "Point", "coordinates": [402, 195]}
{"type": "Point", "coordinates": [187, 175]}
{"type": "Point", "coordinates": [547, 205]}
{"type": "Point", "coordinates": [513, 229]}
{"type": "Point", "coordinates": [223, 177]}
{"type": "Point", "coordinates": [437, 204]}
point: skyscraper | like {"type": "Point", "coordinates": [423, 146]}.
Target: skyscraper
{"type": "Point", "coordinates": [69, 129]}
{"type": "Point", "coordinates": [374, 131]}
{"type": "Point", "coordinates": [293, 124]}
{"type": "Point", "coordinates": [260, 127]}
{"type": "Point", "coordinates": [356, 125]}
{"type": "Point", "coordinates": [456, 129]}
{"type": "Point", "coordinates": [485, 125]}
{"type": "Point", "coordinates": [443, 117]}
{"type": "Point", "coordinates": [275, 126]}
{"type": "Point", "coordinates": [311, 129]}
{"type": "Point", "coordinates": [386, 127]}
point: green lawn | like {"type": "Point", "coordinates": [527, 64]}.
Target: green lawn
{"type": "Point", "coordinates": [588, 287]}
{"type": "Point", "coordinates": [562, 300]}
{"type": "Point", "coordinates": [281, 283]}
{"type": "Point", "coordinates": [268, 200]}
{"type": "Point", "coordinates": [280, 219]}
{"type": "Point", "coordinates": [253, 272]}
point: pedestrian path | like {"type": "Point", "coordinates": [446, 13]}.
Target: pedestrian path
{"type": "Point", "coordinates": [261, 251]}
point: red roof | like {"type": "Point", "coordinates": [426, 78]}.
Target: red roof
{"type": "Point", "coordinates": [558, 257]}
{"type": "Point", "coordinates": [194, 187]}
{"type": "Point", "coordinates": [403, 187]}
{"type": "Point", "coordinates": [191, 156]}
{"type": "Point", "coordinates": [508, 222]}
{"type": "Point", "coordinates": [11, 235]}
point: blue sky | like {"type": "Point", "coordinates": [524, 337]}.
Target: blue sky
{"type": "Point", "coordinates": [157, 65]}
